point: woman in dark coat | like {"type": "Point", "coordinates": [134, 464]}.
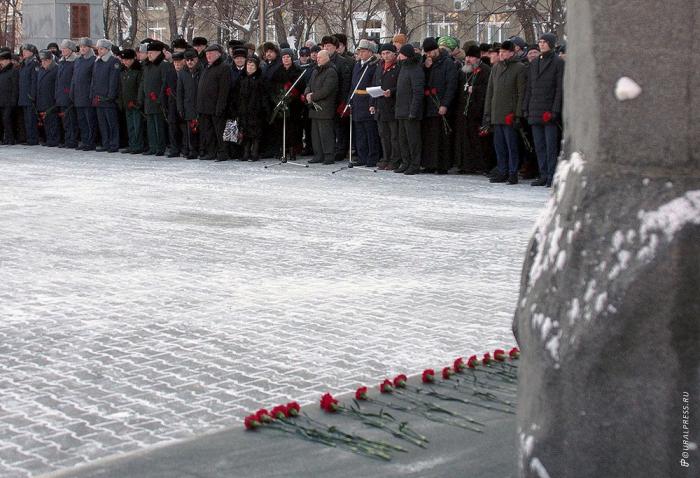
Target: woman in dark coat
{"type": "Point", "coordinates": [288, 73]}
{"type": "Point", "coordinates": [253, 109]}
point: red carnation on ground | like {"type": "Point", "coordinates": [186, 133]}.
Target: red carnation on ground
{"type": "Point", "coordinates": [386, 386]}
{"type": "Point", "coordinates": [510, 119]}
{"type": "Point", "coordinates": [514, 353]}
{"type": "Point", "coordinates": [547, 116]}
{"type": "Point", "coordinates": [400, 381]}
{"type": "Point", "coordinates": [428, 375]}
{"type": "Point", "coordinates": [251, 422]}
{"type": "Point", "coordinates": [280, 411]}
{"type": "Point", "coordinates": [263, 416]}
{"type": "Point", "coordinates": [361, 393]}
{"type": "Point", "coordinates": [472, 362]}
{"type": "Point", "coordinates": [487, 358]}
{"type": "Point", "coordinates": [328, 403]}
{"type": "Point", "coordinates": [458, 364]}
{"type": "Point", "coordinates": [293, 409]}
{"type": "Point", "coordinates": [499, 355]}
{"type": "Point", "coordinates": [446, 373]}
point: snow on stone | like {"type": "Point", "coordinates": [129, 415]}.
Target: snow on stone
{"type": "Point", "coordinates": [552, 347]}
{"type": "Point", "coordinates": [537, 467]}
{"type": "Point", "coordinates": [627, 89]}
{"type": "Point", "coordinates": [600, 302]}
{"type": "Point", "coordinates": [574, 311]}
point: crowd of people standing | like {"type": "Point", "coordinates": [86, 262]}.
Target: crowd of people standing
{"type": "Point", "coordinates": [492, 109]}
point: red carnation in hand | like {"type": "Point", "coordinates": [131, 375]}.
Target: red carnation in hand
{"type": "Point", "coordinates": [499, 355]}
{"type": "Point", "coordinates": [547, 116]}
{"type": "Point", "coordinates": [287, 85]}
{"type": "Point", "coordinates": [514, 353]}
{"type": "Point", "coordinates": [446, 373]}
{"type": "Point", "coordinates": [61, 114]}
{"type": "Point", "coordinates": [472, 362]}
{"type": "Point", "coordinates": [428, 375]}
{"type": "Point", "coordinates": [386, 386]}
{"type": "Point", "coordinates": [476, 71]}
{"type": "Point", "coordinates": [427, 92]}
{"type": "Point", "coordinates": [400, 381]}
{"type": "Point", "coordinates": [66, 90]}
{"type": "Point", "coordinates": [251, 422]}
{"type": "Point", "coordinates": [96, 101]}
{"type": "Point", "coordinates": [263, 416]}
{"type": "Point", "coordinates": [510, 118]}
{"type": "Point", "coordinates": [152, 95]}
{"type": "Point", "coordinates": [487, 358]}
{"type": "Point", "coordinates": [433, 91]}
{"type": "Point", "coordinates": [295, 92]}
{"type": "Point", "coordinates": [328, 403]}
{"type": "Point", "coordinates": [293, 409]}
{"type": "Point", "coordinates": [458, 365]}
{"type": "Point", "coordinates": [42, 115]}
{"type": "Point", "coordinates": [131, 105]}
{"type": "Point", "coordinates": [168, 91]}
{"type": "Point", "coordinates": [303, 98]}
{"type": "Point", "coordinates": [361, 393]}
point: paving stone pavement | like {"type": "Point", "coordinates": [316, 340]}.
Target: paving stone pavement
{"type": "Point", "coordinates": [147, 300]}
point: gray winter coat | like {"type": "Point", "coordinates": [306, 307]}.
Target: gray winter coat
{"type": "Point", "coordinates": [505, 92]}
{"type": "Point", "coordinates": [410, 90]}
{"type": "Point", "coordinates": [324, 86]}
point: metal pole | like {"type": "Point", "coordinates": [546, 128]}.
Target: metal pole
{"type": "Point", "coordinates": [284, 135]}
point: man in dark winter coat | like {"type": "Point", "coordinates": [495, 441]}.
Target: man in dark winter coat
{"type": "Point", "coordinates": [66, 110]}
{"type": "Point", "coordinates": [364, 124]}
{"type": "Point", "coordinates": [46, 98]}
{"type": "Point", "coordinates": [321, 94]}
{"type": "Point", "coordinates": [104, 91]}
{"type": "Point", "coordinates": [175, 123]}
{"type": "Point", "coordinates": [542, 106]}
{"type": "Point", "coordinates": [386, 76]}
{"type": "Point", "coordinates": [27, 91]}
{"type": "Point", "coordinates": [130, 102]}
{"type": "Point", "coordinates": [80, 95]}
{"type": "Point", "coordinates": [153, 99]}
{"type": "Point", "coordinates": [344, 68]}
{"type": "Point", "coordinates": [187, 83]}
{"type": "Point", "coordinates": [441, 76]}
{"type": "Point", "coordinates": [212, 96]}
{"type": "Point", "coordinates": [200, 44]}
{"type": "Point", "coordinates": [307, 65]}
{"type": "Point", "coordinates": [8, 95]}
{"type": "Point", "coordinates": [409, 109]}
{"type": "Point", "coordinates": [503, 111]}
{"type": "Point", "coordinates": [470, 146]}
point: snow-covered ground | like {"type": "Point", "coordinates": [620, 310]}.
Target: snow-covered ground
{"type": "Point", "coordinates": [145, 300]}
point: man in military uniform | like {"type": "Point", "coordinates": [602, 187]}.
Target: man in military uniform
{"type": "Point", "coordinates": [27, 91]}
{"type": "Point", "coordinates": [153, 99]}
{"type": "Point", "coordinates": [104, 92]}
{"type": "Point", "coordinates": [66, 110]}
{"type": "Point", "coordinates": [130, 102]}
{"type": "Point", "coordinates": [8, 95]}
{"type": "Point", "coordinates": [364, 124]}
{"type": "Point", "coordinates": [80, 94]}
{"type": "Point", "coordinates": [46, 98]}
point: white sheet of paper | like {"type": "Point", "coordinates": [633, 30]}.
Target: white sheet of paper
{"type": "Point", "coordinates": [375, 91]}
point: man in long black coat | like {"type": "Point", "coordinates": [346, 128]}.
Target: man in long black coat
{"type": "Point", "coordinates": [153, 98]}
{"type": "Point", "coordinates": [321, 94]}
{"type": "Point", "coordinates": [212, 97]}
{"type": "Point", "coordinates": [441, 75]}
{"type": "Point", "coordinates": [386, 75]}
{"type": "Point", "coordinates": [542, 106]}
{"type": "Point", "coordinates": [409, 109]}
{"type": "Point", "coordinates": [187, 84]}
{"type": "Point", "coordinates": [104, 91]}
{"type": "Point", "coordinates": [471, 147]}
{"type": "Point", "coordinates": [8, 95]}
{"type": "Point", "coordinates": [344, 68]}
{"type": "Point", "coordinates": [27, 91]}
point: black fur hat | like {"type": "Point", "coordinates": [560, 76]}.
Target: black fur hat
{"type": "Point", "coordinates": [180, 43]}
{"type": "Point", "coordinates": [128, 54]}
{"type": "Point", "coordinates": [199, 41]}
{"type": "Point", "coordinates": [342, 38]}
{"type": "Point", "coordinates": [332, 39]}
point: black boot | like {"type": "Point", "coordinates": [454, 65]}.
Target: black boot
{"type": "Point", "coordinates": [541, 181]}
{"type": "Point", "coordinates": [255, 150]}
{"type": "Point", "coordinates": [499, 178]}
{"type": "Point", "coordinates": [246, 151]}
{"type": "Point", "coordinates": [402, 168]}
{"type": "Point", "coordinates": [513, 178]}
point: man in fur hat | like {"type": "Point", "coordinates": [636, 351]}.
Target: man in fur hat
{"type": "Point", "coordinates": [364, 124]}
{"type": "Point", "coordinates": [321, 94]}
{"type": "Point", "coordinates": [27, 92]}
{"type": "Point", "coordinates": [80, 95]}
{"type": "Point", "coordinates": [46, 98]}
{"type": "Point", "coordinates": [212, 98]}
{"type": "Point", "coordinates": [104, 91]}
{"type": "Point", "coordinates": [344, 67]}
{"type": "Point", "coordinates": [66, 110]}
{"type": "Point", "coordinates": [130, 102]}
{"type": "Point", "coordinates": [383, 108]}
{"type": "Point", "coordinates": [153, 99]}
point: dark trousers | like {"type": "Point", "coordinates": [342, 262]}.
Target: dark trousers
{"type": "Point", "coordinates": [546, 138]}
{"type": "Point", "coordinates": [30, 125]}
{"type": "Point", "coordinates": [7, 125]}
{"type": "Point", "coordinates": [108, 120]}
{"type": "Point", "coordinates": [212, 130]}
{"type": "Point", "coordinates": [410, 142]}
{"type": "Point", "coordinates": [323, 137]}
{"type": "Point", "coordinates": [389, 135]}
{"type": "Point", "coordinates": [190, 141]}
{"type": "Point", "coordinates": [342, 137]}
{"type": "Point", "coordinates": [175, 136]}
{"type": "Point", "coordinates": [155, 128]}
{"type": "Point", "coordinates": [134, 129]}
{"type": "Point", "coordinates": [52, 128]}
{"type": "Point", "coordinates": [87, 121]}
{"type": "Point", "coordinates": [505, 140]}
{"type": "Point", "coordinates": [70, 126]}
{"type": "Point", "coordinates": [366, 141]}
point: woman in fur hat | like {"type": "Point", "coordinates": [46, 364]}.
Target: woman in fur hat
{"type": "Point", "coordinates": [253, 109]}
